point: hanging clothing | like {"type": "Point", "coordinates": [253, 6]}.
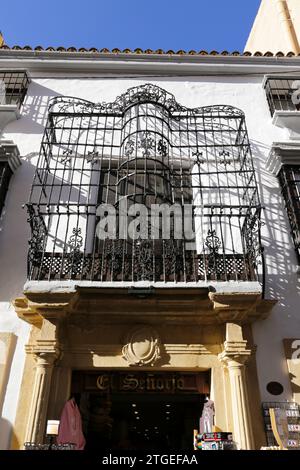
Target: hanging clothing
{"type": "Point", "coordinates": [70, 426]}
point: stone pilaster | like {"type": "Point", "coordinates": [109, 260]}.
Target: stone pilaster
{"type": "Point", "coordinates": [45, 359]}
{"type": "Point", "coordinates": [234, 357]}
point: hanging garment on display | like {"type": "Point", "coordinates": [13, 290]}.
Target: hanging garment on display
{"type": "Point", "coordinates": [70, 427]}
{"type": "Point", "coordinates": [207, 418]}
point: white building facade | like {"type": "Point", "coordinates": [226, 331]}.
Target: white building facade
{"type": "Point", "coordinates": [228, 308]}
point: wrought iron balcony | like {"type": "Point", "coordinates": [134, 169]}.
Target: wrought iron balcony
{"type": "Point", "coordinates": [145, 149]}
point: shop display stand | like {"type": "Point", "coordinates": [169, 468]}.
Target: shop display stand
{"type": "Point", "coordinates": [293, 416]}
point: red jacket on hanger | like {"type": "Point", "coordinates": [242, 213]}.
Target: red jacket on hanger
{"type": "Point", "coordinates": [70, 426]}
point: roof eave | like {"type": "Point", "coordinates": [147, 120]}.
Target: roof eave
{"type": "Point", "coordinates": [163, 64]}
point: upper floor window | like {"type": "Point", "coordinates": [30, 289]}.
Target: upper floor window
{"type": "Point", "coordinates": [123, 158]}
{"type": "Point", "coordinates": [283, 93]}
{"type": "Point", "coordinates": [13, 87]}
{"type": "Point", "coordinates": [289, 177]}
{"type": "Point", "coordinates": [9, 162]}
{"type": "Point", "coordinates": [5, 175]}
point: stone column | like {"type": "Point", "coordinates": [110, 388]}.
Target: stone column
{"type": "Point", "coordinates": [46, 312]}
{"type": "Point", "coordinates": [40, 394]}
{"type": "Point", "coordinates": [234, 358]}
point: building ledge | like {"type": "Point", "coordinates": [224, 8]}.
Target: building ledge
{"type": "Point", "coordinates": [212, 304]}
{"type": "Point", "coordinates": [8, 113]}
{"type": "Point", "coordinates": [72, 286]}
{"type": "Point", "coordinates": [288, 120]}
{"type": "Point", "coordinates": [283, 153]}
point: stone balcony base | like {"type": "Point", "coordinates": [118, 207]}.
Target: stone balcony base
{"type": "Point", "coordinates": [227, 302]}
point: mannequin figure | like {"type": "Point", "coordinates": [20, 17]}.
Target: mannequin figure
{"type": "Point", "coordinates": [207, 418]}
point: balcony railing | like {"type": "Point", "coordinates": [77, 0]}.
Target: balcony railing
{"type": "Point", "coordinates": [173, 264]}
{"type": "Point", "coordinates": [282, 94]}
{"type": "Point", "coordinates": [13, 87]}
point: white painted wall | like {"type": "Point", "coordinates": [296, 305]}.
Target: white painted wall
{"type": "Point", "coordinates": [245, 93]}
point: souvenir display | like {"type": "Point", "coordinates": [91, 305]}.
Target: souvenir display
{"type": "Point", "coordinates": [292, 413]}
{"type": "Point", "coordinates": [214, 441]}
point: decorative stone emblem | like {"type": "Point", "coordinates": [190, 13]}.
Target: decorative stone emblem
{"type": "Point", "coordinates": [142, 346]}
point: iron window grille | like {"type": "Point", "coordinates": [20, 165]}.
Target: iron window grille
{"type": "Point", "coordinates": [279, 92]}
{"type": "Point", "coordinates": [144, 148]}
{"type": "Point", "coordinates": [13, 87]}
{"type": "Point", "coordinates": [289, 177]}
{"type": "Point", "coordinates": [5, 175]}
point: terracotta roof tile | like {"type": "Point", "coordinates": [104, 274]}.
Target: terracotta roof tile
{"type": "Point", "coordinates": [138, 50]}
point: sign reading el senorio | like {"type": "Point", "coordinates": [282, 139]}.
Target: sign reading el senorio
{"type": "Point", "coordinates": [150, 382]}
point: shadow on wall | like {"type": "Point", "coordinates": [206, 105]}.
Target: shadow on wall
{"type": "Point", "coordinates": [282, 282]}
{"type": "Point", "coordinates": [5, 433]}
{"type": "Point", "coordinates": [34, 110]}
{"type": "Point", "coordinates": [14, 234]}
{"type": "Point", "coordinates": [293, 380]}
{"type": "Point", "coordinates": [14, 228]}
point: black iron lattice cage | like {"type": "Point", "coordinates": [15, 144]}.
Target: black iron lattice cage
{"type": "Point", "coordinates": [13, 86]}
{"type": "Point", "coordinates": [144, 148]}
{"type": "Point", "coordinates": [282, 94]}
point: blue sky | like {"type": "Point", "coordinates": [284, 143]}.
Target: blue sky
{"type": "Point", "coordinates": [166, 24]}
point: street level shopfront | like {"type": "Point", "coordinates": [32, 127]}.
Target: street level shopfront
{"type": "Point", "coordinates": [140, 410]}
{"type": "Point", "coordinates": [140, 364]}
